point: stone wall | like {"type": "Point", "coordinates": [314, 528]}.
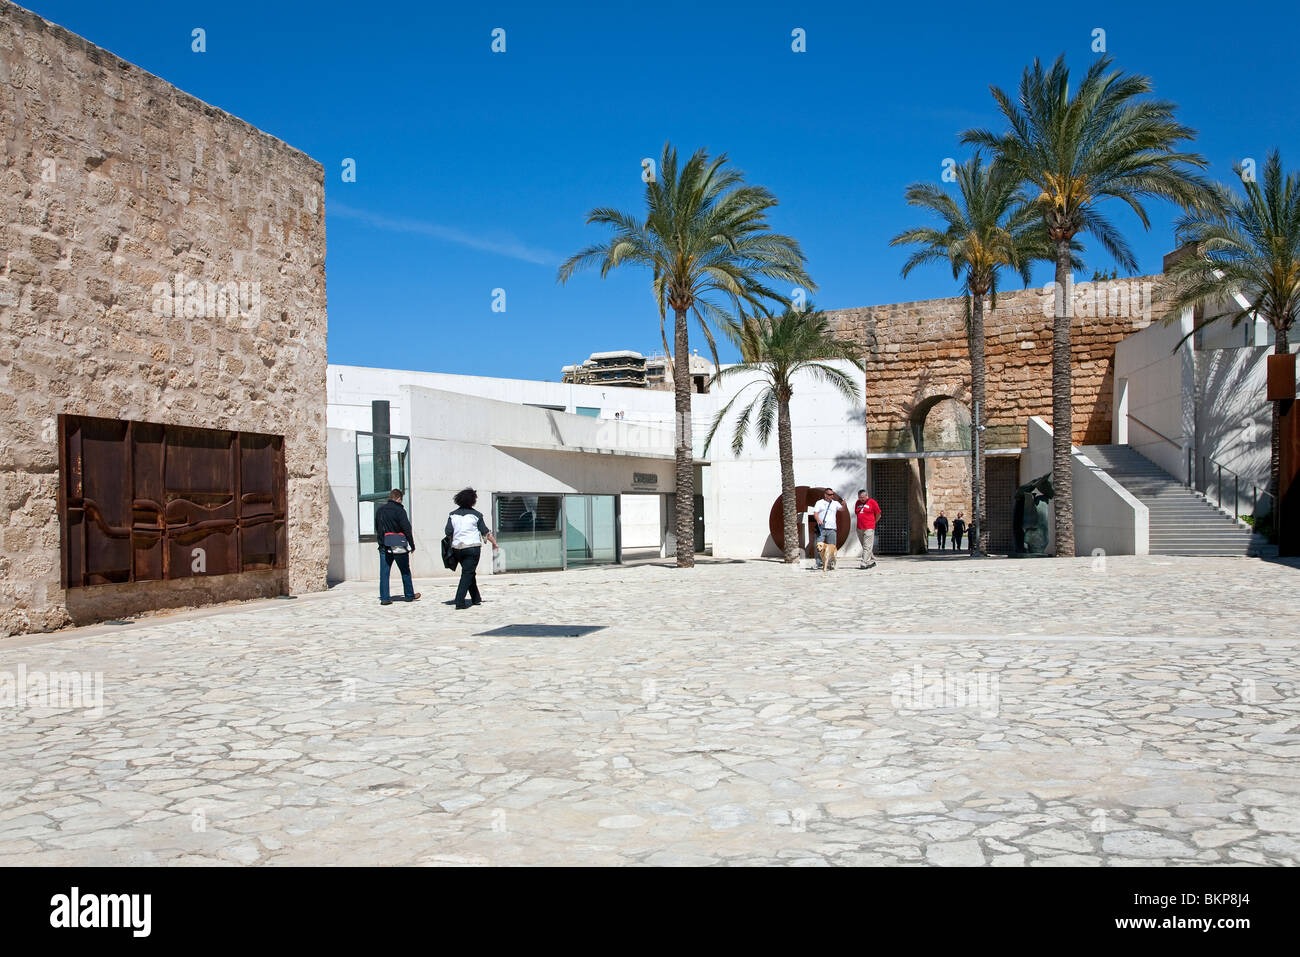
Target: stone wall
{"type": "Point", "coordinates": [113, 181]}
{"type": "Point", "coordinates": [917, 361]}
{"type": "Point", "coordinates": [916, 353]}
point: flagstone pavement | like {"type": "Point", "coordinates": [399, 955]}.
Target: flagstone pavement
{"type": "Point", "coordinates": [956, 712]}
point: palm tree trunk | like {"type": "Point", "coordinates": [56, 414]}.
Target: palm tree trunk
{"type": "Point", "coordinates": [685, 481]}
{"type": "Point", "coordinates": [1062, 407]}
{"type": "Point", "coordinates": [785, 449]}
{"type": "Point", "coordinates": [1281, 347]}
{"type": "Point", "coordinates": [979, 485]}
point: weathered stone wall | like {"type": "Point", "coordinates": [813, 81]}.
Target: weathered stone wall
{"type": "Point", "coordinates": [917, 360]}
{"type": "Point", "coordinates": [112, 181]}
{"type": "Point", "coordinates": [916, 352]}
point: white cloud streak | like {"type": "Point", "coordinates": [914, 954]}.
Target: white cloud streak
{"type": "Point", "coordinates": [510, 248]}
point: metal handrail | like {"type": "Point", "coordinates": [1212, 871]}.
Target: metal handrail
{"type": "Point", "coordinates": [1177, 445]}
{"type": "Point", "coordinates": [1207, 462]}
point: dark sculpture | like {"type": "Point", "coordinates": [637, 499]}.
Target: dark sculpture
{"type": "Point", "coordinates": [1029, 517]}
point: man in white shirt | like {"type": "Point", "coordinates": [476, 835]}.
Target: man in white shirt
{"type": "Point", "coordinates": [824, 515]}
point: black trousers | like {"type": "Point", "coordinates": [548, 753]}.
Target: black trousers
{"type": "Point", "coordinates": [956, 540]}
{"type": "Point", "coordinates": [943, 539]}
{"type": "Point", "coordinates": [468, 559]}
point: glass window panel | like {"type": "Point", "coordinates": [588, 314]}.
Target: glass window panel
{"type": "Point", "coordinates": [591, 529]}
{"type": "Point", "coordinates": [375, 480]}
{"type": "Point", "coordinates": [528, 529]}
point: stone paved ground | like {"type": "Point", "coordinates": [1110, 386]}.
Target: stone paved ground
{"type": "Point", "coordinates": [924, 712]}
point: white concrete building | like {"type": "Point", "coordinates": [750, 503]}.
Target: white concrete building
{"type": "Point", "coordinates": [1198, 402]}
{"type": "Point", "coordinates": [567, 474]}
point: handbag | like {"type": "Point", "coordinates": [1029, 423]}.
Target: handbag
{"type": "Point", "coordinates": [448, 554]}
{"type": "Point", "coordinates": [396, 543]}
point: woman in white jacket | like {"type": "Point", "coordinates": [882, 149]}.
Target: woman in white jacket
{"type": "Point", "coordinates": [466, 529]}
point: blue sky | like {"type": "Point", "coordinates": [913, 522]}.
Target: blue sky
{"type": "Point", "coordinates": [475, 170]}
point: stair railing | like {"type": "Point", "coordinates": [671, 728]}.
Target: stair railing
{"type": "Point", "coordinates": [1207, 463]}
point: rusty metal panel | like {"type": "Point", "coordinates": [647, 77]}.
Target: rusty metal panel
{"type": "Point", "coordinates": [262, 501]}
{"type": "Point", "coordinates": [142, 501]}
{"type": "Point", "coordinates": [1281, 377]}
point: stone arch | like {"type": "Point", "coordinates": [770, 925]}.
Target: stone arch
{"type": "Point", "coordinates": [937, 419]}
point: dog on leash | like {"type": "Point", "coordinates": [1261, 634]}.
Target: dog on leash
{"type": "Point", "coordinates": [828, 552]}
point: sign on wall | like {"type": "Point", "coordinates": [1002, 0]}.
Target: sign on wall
{"type": "Point", "coordinates": [140, 501]}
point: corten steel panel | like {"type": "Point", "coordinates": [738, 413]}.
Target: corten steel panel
{"type": "Point", "coordinates": [804, 498]}
{"type": "Point", "coordinates": [147, 447]}
{"type": "Point", "coordinates": [141, 501]}
{"type": "Point", "coordinates": [1281, 377]}
{"type": "Point", "coordinates": [105, 501]}
{"type": "Point", "coordinates": [1288, 519]}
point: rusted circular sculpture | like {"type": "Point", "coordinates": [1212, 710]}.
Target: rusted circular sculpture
{"type": "Point", "coordinates": [805, 495]}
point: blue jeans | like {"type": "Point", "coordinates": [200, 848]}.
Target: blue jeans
{"type": "Point", "coordinates": [403, 560]}
{"type": "Point", "coordinates": [826, 535]}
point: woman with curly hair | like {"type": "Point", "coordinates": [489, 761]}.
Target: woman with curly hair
{"type": "Point", "coordinates": [466, 529]}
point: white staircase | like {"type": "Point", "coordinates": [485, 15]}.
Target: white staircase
{"type": "Point", "coordinates": [1181, 521]}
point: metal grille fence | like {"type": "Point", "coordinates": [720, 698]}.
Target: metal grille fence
{"type": "Point", "coordinates": [889, 488]}
{"type": "Point", "coordinates": [1002, 478]}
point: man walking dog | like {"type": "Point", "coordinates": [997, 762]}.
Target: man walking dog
{"type": "Point", "coordinates": [824, 515]}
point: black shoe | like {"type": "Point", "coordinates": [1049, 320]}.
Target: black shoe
{"type": "Point", "coordinates": [477, 601]}
{"type": "Point", "coordinates": [385, 602]}
{"type": "Point", "coordinates": [461, 607]}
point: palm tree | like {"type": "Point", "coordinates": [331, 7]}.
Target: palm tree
{"type": "Point", "coordinates": [705, 232]}
{"type": "Point", "coordinates": [1247, 253]}
{"type": "Point", "coordinates": [777, 349]}
{"type": "Point", "coordinates": [1076, 149]}
{"type": "Point", "coordinates": [986, 227]}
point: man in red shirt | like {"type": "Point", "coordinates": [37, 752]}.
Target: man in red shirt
{"type": "Point", "coordinates": [868, 512]}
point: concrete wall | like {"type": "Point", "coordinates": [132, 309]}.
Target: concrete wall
{"type": "Point", "coordinates": [460, 441]}
{"type": "Point", "coordinates": [1234, 423]}
{"type": "Point", "coordinates": [113, 181]}
{"type": "Point", "coordinates": [1107, 519]}
{"type": "Point", "coordinates": [351, 390]}
{"type": "Point", "coordinates": [1154, 393]}
{"type": "Point", "coordinates": [642, 521]}
{"type": "Point", "coordinates": [1208, 399]}
{"type": "Point", "coordinates": [828, 450]}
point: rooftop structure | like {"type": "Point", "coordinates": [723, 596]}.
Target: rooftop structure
{"type": "Point", "coordinates": [659, 372]}
{"type": "Point", "coordinates": [622, 368]}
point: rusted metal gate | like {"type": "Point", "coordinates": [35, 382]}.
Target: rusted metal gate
{"type": "Point", "coordinates": [139, 501]}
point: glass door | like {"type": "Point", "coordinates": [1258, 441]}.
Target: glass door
{"type": "Point", "coordinates": [591, 529]}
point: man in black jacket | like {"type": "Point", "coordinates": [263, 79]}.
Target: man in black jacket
{"type": "Point", "coordinates": [941, 527]}
{"type": "Point", "coordinates": [391, 518]}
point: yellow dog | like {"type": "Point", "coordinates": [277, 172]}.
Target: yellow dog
{"type": "Point", "coordinates": [828, 552]}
